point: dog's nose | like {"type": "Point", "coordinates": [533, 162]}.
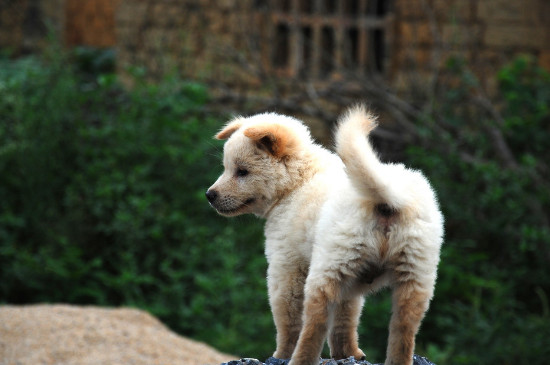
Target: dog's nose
{"type": "Point", "coordinates": [211, 195]}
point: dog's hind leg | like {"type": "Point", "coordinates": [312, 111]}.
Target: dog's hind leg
{"type": "Point", "coordinates": [321, 297]}
{"type": "Point", "coordinates": [342, 338]}
{"type": "Point", "coordinates": [410, 302]}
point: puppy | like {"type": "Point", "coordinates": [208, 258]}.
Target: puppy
{"type": "Point", "coordinates": [338, 227]}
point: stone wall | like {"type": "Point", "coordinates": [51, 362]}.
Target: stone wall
{"type": "Point", "coordinates": [232, 42]}
{"type": "Point", "coordinates": [200, 39]}
{"type": "Point", "coordinates": [227, 41]}
{"type": "Point", "coordinates": [486, 33]}
{"type": "Point", "coordinates": [25, 24]}
{"type": "Point", "coordinates": [12, 15]}
{"type": "Point", "coordinates": [90, 22]}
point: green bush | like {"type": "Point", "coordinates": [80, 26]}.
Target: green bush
{"type": "Point", "coordinates": [491, 303]}
{"type": "Point", "coordinates": [102, 202]}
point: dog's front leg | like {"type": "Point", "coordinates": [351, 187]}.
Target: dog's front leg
{"type": "Point", "coordinates": [410, 300]}
{"type": "Point", "coordinates": [319, 300]}
{"type": "Point", "coordinates": [286, 297]}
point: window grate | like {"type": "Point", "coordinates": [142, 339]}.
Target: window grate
{"type": "Point", "coordinates": [317, 38]}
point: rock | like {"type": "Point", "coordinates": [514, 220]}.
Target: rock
{"type": "Point", "coordinates": [274, 361]}
{"type": "Point", "coordinates": [62, 334]}
{"type": "Point", "coordinates": [417, 360]}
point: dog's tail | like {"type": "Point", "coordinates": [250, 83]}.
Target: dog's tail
{"type": "Point", "coordinates": [366, 172]}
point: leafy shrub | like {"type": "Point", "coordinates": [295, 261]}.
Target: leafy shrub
{"type": "Point", "coordinates": [102, 195]}
{"type": "Point", "coordinates": [491, 303]}
{"type": "Point", "coordinates": [102, 202]}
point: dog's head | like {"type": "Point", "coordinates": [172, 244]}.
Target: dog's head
{"type": "Point", "coordinates": [258, 156]}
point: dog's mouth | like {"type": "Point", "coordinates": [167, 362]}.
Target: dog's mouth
{"type": "Point", "coordinates": [234, 210]}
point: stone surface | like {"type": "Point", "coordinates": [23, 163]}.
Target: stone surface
{"type": "Point", "coordinates": [417, 360]}
{"type": "Point", "coordinates": [62, 334]}
{"type": "Point", "coordinates": [522, 37]}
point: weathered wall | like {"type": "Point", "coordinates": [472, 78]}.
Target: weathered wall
{"type": "Point", "coordinates": [12, 15]}
{"type": "Point", "coordinates": [487, 33]}
{"type": "Point", "coordinates": [25, 24]}
{"type": "Point", "coordinates": [201, 39]}
{"type": "Point", "coordinates": [230, 41]}
{"type": "Point", "coordinates": [90, 22]}
{"type": "Point", "coordinates": [206, 39]}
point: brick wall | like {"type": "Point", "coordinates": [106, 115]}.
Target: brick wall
{"type": "Point", "coordinates": [200, 39]}
{"type": "Point", "coordinates": [90, 22]}
{"type": "Point", "coordinates": [24, 24]}
{"type": "Point", "coordinates": [12, 15]}
{"type": "Point", "coordinates": [487, 33]}
{"type": "Point", "coordinates": [205, 38]}
{"type": "Point", "coordinates": [232, 41]}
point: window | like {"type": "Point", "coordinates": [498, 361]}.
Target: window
{"type": "Point", "coordinates": [316, 38]}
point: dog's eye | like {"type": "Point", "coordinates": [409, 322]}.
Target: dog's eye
{"type": "Point", "coordinates": [242, 172]}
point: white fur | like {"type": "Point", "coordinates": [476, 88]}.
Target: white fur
{"type": "Point", "coordinates": [331, 228]}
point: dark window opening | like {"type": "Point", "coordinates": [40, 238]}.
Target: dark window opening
{"type": "Point", "coordinates": [281, 51]}
{"type": "Point", "coordinates": [377, 7]}
{"type": "Point", "coordinates": [327, 50]}
{"type": "Point", "coordinates": [306, 6]}
{"type": "Point", "coordinates": [329, 6]}
{"type": "Point", "coordinates": [377, 51]}
{"type": "Point", "coordinates": [312, 38]}
{"type": "Point", "coordinates": [261, 5]}
{"type": "Point", "coordinates": [351, 50]}
{"type": "Point", "coordinates": [383, 7]}
{"type": "Point", "coordinates": [307, 49]}
{"type": "Point", "coordinates": [282, 5]}
{"type": "Point", "coordinates": [351, 7]}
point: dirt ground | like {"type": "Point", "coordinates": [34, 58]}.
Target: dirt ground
{"type": "Point", "coordinates": [63, 334]}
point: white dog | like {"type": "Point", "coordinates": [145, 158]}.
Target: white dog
{"type": "Point", "coordinates": [337, 227]}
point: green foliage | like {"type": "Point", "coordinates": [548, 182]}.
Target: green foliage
{"type": "Point", "coordinates": [491, 303]}
{"type": "Point", "coordinates": [102, 202]}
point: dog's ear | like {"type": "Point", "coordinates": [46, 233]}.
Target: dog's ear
{"type": "Point", "coordinates": [229, 129]}
{"type": "Point", "coordinates": [276, 139]}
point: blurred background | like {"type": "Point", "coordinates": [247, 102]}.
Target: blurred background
{"type": "Point", "coordinates": [107, 111]}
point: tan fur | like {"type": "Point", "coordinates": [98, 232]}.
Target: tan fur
{"type": "Point", "coordinates": [287, 314]}
{"type": "Point", "coordinates": [409, 306]}
{"type": "Point", "coordinates": [343, 332]}
{"type": "Point", "coordinates": [337, 228]}
{"type": "Point", "coordinates": [229, 129]}
{"type": "Point", "coordinates": [276, 139]}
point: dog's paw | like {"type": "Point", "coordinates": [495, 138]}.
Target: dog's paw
{"type": "Point", "coordinates": [357, 354]}
{"type": "Point", "coordinates": [282, 355]}
{"type": "Point", "coordinates": [304, 361]}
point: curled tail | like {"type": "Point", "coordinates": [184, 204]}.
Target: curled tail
{"type": "Point", "coordinates": [367, 173]}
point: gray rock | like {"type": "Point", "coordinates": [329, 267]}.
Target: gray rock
{"type": "Point", "coordinates": [417, 360]}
